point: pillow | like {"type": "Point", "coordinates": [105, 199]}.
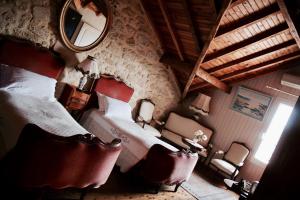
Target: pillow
{"type": "Point", "coordinates": [18, 80]}
{"type": "Point", "coordinates": [118, 109]}
{"type": "Point", "coordinates": [102, 102]}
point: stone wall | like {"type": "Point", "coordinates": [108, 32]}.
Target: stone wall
{"type": "Point", "coordinates": [130, 50]}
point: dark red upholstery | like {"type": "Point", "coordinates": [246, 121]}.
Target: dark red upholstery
{"type": "Point", "coordinates": [163, 166]}
{"type": "Point", "coordinates": [21, 53]}
{"type": "Point", "coordinates": [114, 88]}
{"type": "Point", "coordinates": [43, 159]}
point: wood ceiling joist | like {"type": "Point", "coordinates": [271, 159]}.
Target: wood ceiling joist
{"type": "Point", "coordinates": [272, 49]}
{"type": "Point", "coordinates": [150, 21]}
{"type": "Point", "coordinates": [286, 64]}
{"type": "Point", "coordinates": [236, 2]}
{"type": "Point", "coordinates": [254, 68]}
{"type": "Point", "coordinates": [188, 12]}
{"type": "Point", "coordinates": [171, 29]}
{"type": "Point", "coordinates": [248, 20]}
{"type": "Point", "coordinates": [197, 69]}
{"type": "Point", "coordinates": [289, 21]}
{"type": "Point", "coordinates": [257, 38]}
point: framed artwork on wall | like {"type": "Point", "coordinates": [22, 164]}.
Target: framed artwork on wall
{"type": "Point", "coordinates": [251, 103]}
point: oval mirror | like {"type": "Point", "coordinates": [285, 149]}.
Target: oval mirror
{"type": "Point", "coordinates": [84, 24]}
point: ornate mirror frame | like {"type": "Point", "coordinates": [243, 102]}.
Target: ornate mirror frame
{"type": "Point", "coordinates": [64, 37]}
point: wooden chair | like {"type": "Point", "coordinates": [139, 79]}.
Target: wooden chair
{"type": "Point", "coordinates": [145, 117]}
{"type": "Point", "coordinates": [232, 160]}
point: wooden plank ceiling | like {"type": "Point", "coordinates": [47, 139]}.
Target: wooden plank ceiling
{"type": "Point", "coordinates": [219, 42]}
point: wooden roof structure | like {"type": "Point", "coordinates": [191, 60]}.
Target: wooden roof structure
{"type": "Point", "coordinates": [219, 42]}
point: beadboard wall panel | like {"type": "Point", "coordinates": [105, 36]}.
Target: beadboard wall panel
{"type": "Point", "coordinates": [230, 125]}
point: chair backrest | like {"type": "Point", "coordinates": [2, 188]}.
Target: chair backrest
{"type": "Point", "coordinates": [237, 153]}
{"type": "Point", "coordinates": [186, 127]}
{"type": "Point", "coordinates": [146, 110]}
{"type": "Point", "coordinates": [43, 159]}
{"type": "Point", "coordinates": [168, 167]}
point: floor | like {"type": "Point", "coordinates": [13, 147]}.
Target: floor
{"type": "Point", "coordinates": [207, 185]}
{"type": "Point", "coordinates": [204, 183]}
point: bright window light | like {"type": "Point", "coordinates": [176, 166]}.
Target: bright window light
{"type": "Point", "coordinates": [271, 137]}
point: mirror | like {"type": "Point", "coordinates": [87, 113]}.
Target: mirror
{"type": "Point", "coordinates": [84, 24]}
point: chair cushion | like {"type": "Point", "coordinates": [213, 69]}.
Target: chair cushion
{"type": "Point", "coordinates": [173, 137]}
{"type": "Point", "coordinates": [237, 153]}
{"type": "Point", "coordinates": [152, 130]}
{"type": "Point", "coordinates": [223, 165]}
{"type": "Point", "coordinates": [146, 111]}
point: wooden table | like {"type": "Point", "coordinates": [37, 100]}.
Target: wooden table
{"type": "Point", "coordinates": [194, 146]}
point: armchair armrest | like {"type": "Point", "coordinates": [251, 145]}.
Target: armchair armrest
{"type": "Point", "coordinates": [160, 123]}
{"type": "Point", "coordinates": [141, 120]}
{"type": "Point", "coordinates": [220, 152]}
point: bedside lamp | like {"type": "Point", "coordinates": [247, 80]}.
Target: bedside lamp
{"type": "Point", "coordinates": [89, 68]}
{"type": "Point", "coordinates": [201, 104]}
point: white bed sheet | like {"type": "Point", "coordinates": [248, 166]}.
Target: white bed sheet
{"type": "Point", "coordinates": [17, 110]}
{"type": "Point", "coordinates": [135, 140]}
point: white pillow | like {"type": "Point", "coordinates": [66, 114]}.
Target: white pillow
{"type": "Point", "coordinates": [18, 80]}
{"type": "Point", "coordinates": [102, 102]}
{"type": "Point", "coordinates": [118, 109]}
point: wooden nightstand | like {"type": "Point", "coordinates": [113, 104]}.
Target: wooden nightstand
{"type": "Point", "coordinates": [74, 100]}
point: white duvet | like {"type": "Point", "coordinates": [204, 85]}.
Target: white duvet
{"type": "Point", "coordinates": [136, 141]}
{"type": "Point", "coordinates": [17, 110]}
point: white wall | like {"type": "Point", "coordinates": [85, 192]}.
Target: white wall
{"type": "Point", "coordinates": [230, 125]}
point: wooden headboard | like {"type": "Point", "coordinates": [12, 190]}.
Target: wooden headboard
{"type": "Point", "coordinates": [114, 88]}
{"type": "Point", "coordinates": [27, 55]}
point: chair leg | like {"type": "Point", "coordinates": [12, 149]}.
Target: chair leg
{"type": "Point", "coordinates": [177, 186]}
{"type": "Point", "coordinates": [83, 193]}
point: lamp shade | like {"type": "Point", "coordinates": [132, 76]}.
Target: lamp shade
{"type": "Point", "coordinates": [89, 66]}
{"type": "Point", "coordinates": [201, 104]}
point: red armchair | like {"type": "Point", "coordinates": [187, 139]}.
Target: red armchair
{"type": "Point", "coordinates": [163, 166]}
{"type": "Point", "coordinates": [43, 159]}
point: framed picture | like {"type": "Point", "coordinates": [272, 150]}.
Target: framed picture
{"type": "Point", "coordinates": [251, 103]}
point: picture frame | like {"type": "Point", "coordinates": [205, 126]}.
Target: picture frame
{"type": "Point", "coordinates": [251, 103]}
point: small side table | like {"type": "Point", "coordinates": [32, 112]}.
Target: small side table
{"type": "Point", "coordinates": [74, 100]}
{"type": "Point", "coordinates": [194, 146]}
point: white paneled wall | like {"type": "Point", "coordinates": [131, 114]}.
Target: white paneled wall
{"type": "Point", "coordinates": [230, 125]}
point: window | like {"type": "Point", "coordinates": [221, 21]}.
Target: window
{"type": "Point", "coordinates": [273, 133]}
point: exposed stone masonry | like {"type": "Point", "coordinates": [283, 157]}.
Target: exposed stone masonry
{"type": "Point", "coordinates": [130, 50]}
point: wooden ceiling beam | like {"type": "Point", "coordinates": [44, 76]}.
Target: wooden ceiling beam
{"type": "Point", "coordinates": [187, 12]}
{"type": "Point", "coordinates": [150, 21]}
{"type": "Point", "coordinates": [236, 2]}
{"type": "Point", "coordinates": [248, 20]}
{"type": "Point", "coordinates": [254, 68]}
{"type": "Point", "coordinates": [257, 38]}
{"type": "Point", "coordinates": [284, 65]}
{"type": "Point", "coordinates": [206, 76]}
{"type": "Point", "coordinates": [174, 36]}
{"type": "Point", "coordinates": [212, 80]}
{"type": "Point", "coordinates": [289, 21]}
{"type": "Point", "coordinates": [269, 50]}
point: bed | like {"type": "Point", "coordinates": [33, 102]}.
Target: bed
{"type": "Point", "coordinates": [23, 100]}
{"type": "Point", "coordinates": [117, 122]}
{"type": "Point", "coordinates": [39, 140]}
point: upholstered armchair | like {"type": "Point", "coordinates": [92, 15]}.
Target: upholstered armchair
{"type": "Point", "coordinates": [230, 161]}
{"type": "Point", "coordinates": [41, 159]}
{"type": "Point", "coordinates": [145, 117]}
{"type": "Point", "coordinates": [174, 167]}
